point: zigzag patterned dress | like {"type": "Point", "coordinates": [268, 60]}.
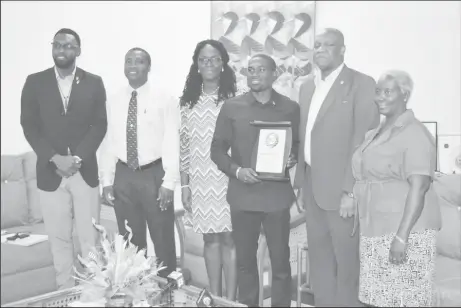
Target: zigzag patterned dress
{"type": "Point", "coordinates": [210, 210]}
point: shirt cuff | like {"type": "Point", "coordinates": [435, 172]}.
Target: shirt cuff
{"type": "Point", "coordinates": [169, 185]}
{"type": "Point", "coordinates": [107, 182]}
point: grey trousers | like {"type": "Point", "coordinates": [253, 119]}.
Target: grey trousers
{"type": "Point", "coordinates": [73, 199]}
{"type": "Point", "coordinates": [333, 254]}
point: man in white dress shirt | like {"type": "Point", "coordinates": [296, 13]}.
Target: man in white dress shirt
{"type": "Point", "coordinates": [337, 109]}
{"type": "Point", "coordinates": [140, 159]}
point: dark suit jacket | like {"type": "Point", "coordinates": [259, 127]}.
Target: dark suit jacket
{"type": "Point", "coordinates": [50, 131]}
{"type": "Point", "coordinates": [347, 113]}
{"type": "Point", "coordinates": [234, 131]}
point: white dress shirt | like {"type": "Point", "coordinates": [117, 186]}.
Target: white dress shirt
{"type": "Point", "coordinates": [322, 87]}
{"type": "Point", "coordinates": [158, 132]}
{"type": "Point", "coordinates": [65, 85]}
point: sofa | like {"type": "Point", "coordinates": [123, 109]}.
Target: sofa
{"type": "Point", "coordinates": [448, 262]}
{"type": "Point", "coordinates": [26, 271]}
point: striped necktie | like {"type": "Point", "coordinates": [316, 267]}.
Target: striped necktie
{"type": "Point", "coordinates": [132, 133]}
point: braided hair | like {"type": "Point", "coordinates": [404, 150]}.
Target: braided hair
{"type": "Point", "coordinates": [194, 81]}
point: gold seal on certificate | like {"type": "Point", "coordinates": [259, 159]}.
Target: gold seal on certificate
{"type": "Point", "coordinates": [271, 150]}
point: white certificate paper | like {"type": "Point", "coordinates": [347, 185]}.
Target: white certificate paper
{"type": "Point", "coordinates": [271, 149]}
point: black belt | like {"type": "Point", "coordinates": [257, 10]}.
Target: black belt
{"type": "Point", "coordinates": [143, 167]}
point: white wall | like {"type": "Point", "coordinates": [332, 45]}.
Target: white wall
{"type": "Point", "coordinates": [168, 30]}
{"type": "Point", "coordinates": [420, 37]}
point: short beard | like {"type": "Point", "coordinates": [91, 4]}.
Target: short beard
{"type": "Point", "coordinates": [65, 65]}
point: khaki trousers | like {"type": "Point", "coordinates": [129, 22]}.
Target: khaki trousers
{"type": "Point", "coordinates": [73, 199]}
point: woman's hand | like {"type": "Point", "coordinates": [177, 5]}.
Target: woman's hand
{"type": "Point", "coordinates": [397, 252]}
{"type": "Point", "coordinates": [186, 198]}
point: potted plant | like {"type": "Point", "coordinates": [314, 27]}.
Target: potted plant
{"type": "Point", "coordinates": [116, 274]}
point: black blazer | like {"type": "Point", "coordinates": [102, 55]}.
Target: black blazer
{"type": "Point", "coordinates": [49, 130]}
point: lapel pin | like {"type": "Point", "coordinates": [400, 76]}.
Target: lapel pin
{"type": "Point", "coordinates": [78, 80]}
{"type": "Point", "coordinates": [344, 102]}
{"type": "Point", "coordinates": [341, 82]}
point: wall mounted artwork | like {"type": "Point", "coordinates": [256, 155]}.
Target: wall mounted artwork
{"type": "Point", "coordinates": [281, 29]}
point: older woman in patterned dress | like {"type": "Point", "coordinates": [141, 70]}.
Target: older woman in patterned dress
{"type": "Point", "coordinates": [203, 186]}
{"type": "Point", "coordinates": [397, 206]}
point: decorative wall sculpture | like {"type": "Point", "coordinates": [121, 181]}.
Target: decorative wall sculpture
{"type": "Point", "coordinates": [281, 29]}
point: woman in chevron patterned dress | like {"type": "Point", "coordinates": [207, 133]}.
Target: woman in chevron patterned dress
{"type": "Point", "coordinates": [203, 186]}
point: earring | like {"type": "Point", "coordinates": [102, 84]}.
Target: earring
{"type": "Point", "coordinates": [198, 70]}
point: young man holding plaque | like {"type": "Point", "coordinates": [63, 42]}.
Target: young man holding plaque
{"type": "Point", "coordinates": [255, 199]}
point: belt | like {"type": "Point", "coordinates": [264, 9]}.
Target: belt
{"type": "Point", "coordinates": [143, 167]}
{"type": "Point", "coordinates": [364, 201]}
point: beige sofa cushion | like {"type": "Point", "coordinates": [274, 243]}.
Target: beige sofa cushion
{"type": "Point", "coordinates": [15, 210]}
{"type": "Point", "coordinates": [449, 238]}
{"type": "Point", "coordinates": [30, 174]}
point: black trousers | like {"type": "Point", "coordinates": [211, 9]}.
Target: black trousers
{"type": "Point", "coordinates": [246, 226]}
{"type": "Point", "coordinates": [136, 194]}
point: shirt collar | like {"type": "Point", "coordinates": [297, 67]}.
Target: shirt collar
{"type": "Point", "coordinates": [405, 118]}
{"type": "Point", "coordinates": [59, 76]}
{"type": "Point", "coordinates": [142, 89]}
{"type": "Point", "coordinates": [330, 78]}
{"type": "Point", "coordinates": [272, 101]}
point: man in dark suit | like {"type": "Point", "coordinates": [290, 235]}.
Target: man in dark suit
{"type": "Point", "coordinates": [253, 201]}
{"type": "Point", "coordinates": [63, 115]}
{"type": "Point", "coordinates": [337, 109]}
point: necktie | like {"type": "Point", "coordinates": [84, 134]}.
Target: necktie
{"type": "Point", "coordinates": [131, 133]}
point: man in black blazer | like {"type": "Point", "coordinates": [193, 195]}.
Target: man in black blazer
{"type": "Point", "coordinates": [63, 116]}
{"type": "Point", "coordinates": [255, 202]}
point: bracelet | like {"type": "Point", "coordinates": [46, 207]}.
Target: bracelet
{"type": "Point", "coordinates": [184, 186]}
{"type": "Point", "coordinates": [237, 172]}
{"type": "Point", "coordinates": [398, 238]}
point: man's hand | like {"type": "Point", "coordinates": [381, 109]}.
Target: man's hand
{"type": "Point", "coordinates": [291, 161]}
{"type": "Point", "coordinates": [165, 198]}
{"type": "Point", "coordinates": [108, 194]}
{"type": "Point", "coordinates": [68, 165]}
{"type": "Point", "coordinates": [248, 176]}
{"type": "Point", "coordinates": [347, 206]}
{"type": "Point", "coordinates": [186, 198]}
{"type": "Point", "coordinates": [300, 201]}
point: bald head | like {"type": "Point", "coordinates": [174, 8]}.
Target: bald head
{"type": "Point", "coordinates": [329, 50]}
{"type": "Point", "coordinates": [338, 35]}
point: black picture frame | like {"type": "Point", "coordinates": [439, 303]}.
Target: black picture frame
{"type": "Point", "coordinates": [283, 125]}
{"type": "Point", "coordinates": [432, 127]}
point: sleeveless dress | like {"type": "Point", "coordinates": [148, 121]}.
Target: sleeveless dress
{"type": "Point", "coordinates": [210, 210]}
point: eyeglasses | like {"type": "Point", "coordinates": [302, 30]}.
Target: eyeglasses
{"type": "Point", "coordinates": [67, 46]}
{"type": "Point", "coordinates": [214, 60]}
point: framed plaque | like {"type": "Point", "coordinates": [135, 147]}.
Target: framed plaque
{"type": "Point", "coordinates": [271, 150]}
